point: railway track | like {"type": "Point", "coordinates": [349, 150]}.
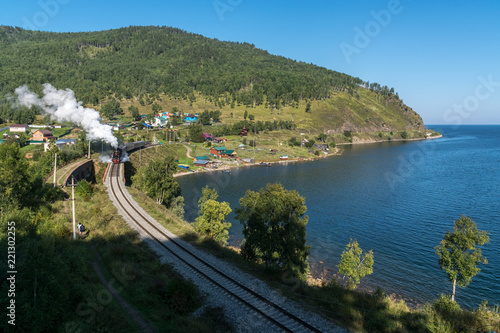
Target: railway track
{"type": "Point", "coordinates": [166, 242]}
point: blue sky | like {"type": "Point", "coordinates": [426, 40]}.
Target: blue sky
{"type": "Point", "coordinates": [442, 57]}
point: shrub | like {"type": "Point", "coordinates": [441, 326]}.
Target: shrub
{"type": "Point", "coordinates": [294, 142]}
{"type": "Point", "coordinates": [445, 306]}
{"type": "Point", "coordinates": [84, 189]}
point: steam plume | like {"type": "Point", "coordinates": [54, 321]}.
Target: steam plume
{"type": "Point", "coordinates": [62, 105]}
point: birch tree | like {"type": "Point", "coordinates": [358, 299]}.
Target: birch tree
{"type": "Point", "coordinates": [212, 218]}
{"type": "Point", "coordinates": [458, 252]}
{"type": "Point", "coordinates": [354, 265]}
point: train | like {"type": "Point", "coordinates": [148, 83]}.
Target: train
{"type": "Point", "coordinates": [118, 153]}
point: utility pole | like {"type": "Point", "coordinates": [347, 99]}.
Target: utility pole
{"type": "Point", "coordinates": [88, 156]}
{"type": "Point", "coordinates": [73, 196]}
{"type": "Point", "coordinates": [55, 169]}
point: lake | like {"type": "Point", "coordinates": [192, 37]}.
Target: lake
{"type": "Point", "coordinates": [398, 199]}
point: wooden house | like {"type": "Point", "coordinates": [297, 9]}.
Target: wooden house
{"type": "Point", "coordinates": [42, 136]}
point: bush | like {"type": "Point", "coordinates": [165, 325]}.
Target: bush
{"type": "Point", "coordinates": [294, 142]}
{"type": "Point", "coordinates": [310, 144]}
{"type": "Point", "coordinates": [84, 189]}
{"type": "Point", "coordinates": [177, 206]}
{"type": "Point", "coordinates": [446, 307]}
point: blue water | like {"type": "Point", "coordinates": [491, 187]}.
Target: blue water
{"type": "Point", "coordinates": [398, 199]}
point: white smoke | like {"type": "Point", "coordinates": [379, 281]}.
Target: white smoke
{"type": "Point", "coordinates": [62, 105]}
{"type": "Point", "coordinates": [125, 157]}
{"type": "Point", "coordinates": [105, 158]}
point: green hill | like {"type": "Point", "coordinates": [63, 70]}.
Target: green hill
{"type": "Point", "coordinates": [171, 67]}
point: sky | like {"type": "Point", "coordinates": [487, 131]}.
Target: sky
{"type": "Point", "coordinates": [442, 57]}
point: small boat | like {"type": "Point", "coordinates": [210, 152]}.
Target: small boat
{"type": "Point", "coordinates": [265, 164]}
{"type": "Point", "coordinates": [226, 170]}
{"type": "Point", "coordinates": [283, 157]}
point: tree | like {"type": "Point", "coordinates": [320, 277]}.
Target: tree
{"type": "Point", "coordinates": [156, 107]}
{"type": "Point", "coordinates": [310, 143]}
{"type": "Point", "coordinates": [308, 107]}
{"type": "Point", "coordinates": [196, 133]}
{"type": "Point", "coordinates": [212, 216]}
{"type": "Point", "coordinates": [245, 115]}
{"type": "Point", "coordinates": [458, 253]}
{"type": "Point", "coordinates": [204, 118]}
{"type": "Point", "coordinates": [135, 111]}
{"type": "Point", "coordinates": [215, 115]}
{"type": "Point", "coordinates": [111, 108]}
{"type": "Point", "coordinates": [157, 180]}
{"type": "Point", "coordinates": [14, 178]}
{"type": "Point", "coordinates": [322, 137]}
{"type": "Point", "coordinates": [353, 266]}
{"type": "Point", "coordinates": [251, 117]}
{"type": "Point", "coordinates": [274, 226]}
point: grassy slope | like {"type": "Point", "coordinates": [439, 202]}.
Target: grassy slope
{"type": "Point", "coordinates": [334, 115]}
{"type": "Point", "coordinates": [120, 252]}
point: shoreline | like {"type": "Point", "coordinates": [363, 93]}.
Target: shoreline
{"type": "Point", "coordinates": [338, 152]}
{"type": "Point", "coordinates": [318, 273]}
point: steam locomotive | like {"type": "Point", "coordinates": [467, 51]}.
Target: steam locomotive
{"type": "Point", "coordinates": [119, 152]}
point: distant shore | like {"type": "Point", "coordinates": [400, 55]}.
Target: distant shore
{"type": "Point", "coordinates": [228, 167]}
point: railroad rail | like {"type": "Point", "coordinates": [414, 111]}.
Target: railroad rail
{"type": "Point", "coordinates": [282, 319]}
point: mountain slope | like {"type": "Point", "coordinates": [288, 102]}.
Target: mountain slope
{"type": "Point", "coordinates": [146, 63]}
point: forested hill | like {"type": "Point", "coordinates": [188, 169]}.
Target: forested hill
{"type": "Point", "coordinates": [148, 62]}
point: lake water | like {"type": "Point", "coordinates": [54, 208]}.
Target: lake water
{"type": "Point", "coordinates": [397, 199]}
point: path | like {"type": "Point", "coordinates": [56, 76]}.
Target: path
{"type": "Point", "coordinates": [129, 309]}
{"type": "Point", "coordinates": [188, 152]}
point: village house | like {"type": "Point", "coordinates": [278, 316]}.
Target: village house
{"type": "Point", "coordinates": [220, 140]}
{"type": "Point", "coordinates": [41, 136]}
{"type": "Point", "coordinates": [19, 128]}
{"type": "Point", "coordinates": [60, 143]}
{"type": "Point", "coordinates": [208, 137]}
{"type": "Point", "coordinates": [322, 147]}
{"type": "Point", "coordinates": [191, 118]}
{"type": "Point", "coordinates": [244, 131]}
{"type": "Point", "coordinates": [202, 161]}
{"type": "Point", "coordinates": [222, 152]}
{"type": "Point", "coordinates": [200, 158]}
{"type": "Point", "coordinates": [161, 121]}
